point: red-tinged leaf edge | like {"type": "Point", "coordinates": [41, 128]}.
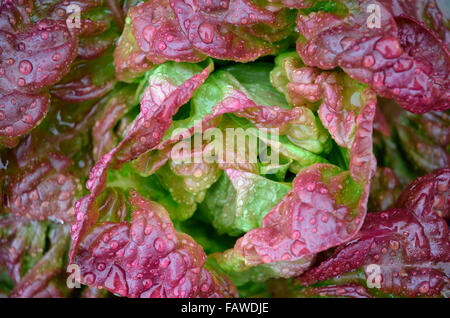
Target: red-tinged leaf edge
{"type": "Point", "coordinates": [147, 258]}
{"type": "Point", "coordinates": [145, 133]}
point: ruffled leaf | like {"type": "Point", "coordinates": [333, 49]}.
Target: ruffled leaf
{"type": "Point", "coordinates": [291, 288]}
{"type": "Point", "coordinates": [341, 97]}
{"type": "Point", "coordinates": [428, 193]}
{"type": "Point", "coordinates": [37, 56]}
{"type": "Point", "coordinates": [116, 106]}
{"type": "Point", "coordinates": [158, 34]}
{"type": "Point", "coordinates": [147, 258]}
{"type": "Point", "coordinates": [129, 60]}
{"type": "Point", "coordinates": [38, 280]}
{"type": "Point", "coordinates": [409, 245]}
{"type": "Point", "coordinates": [424, 139]}
{"type": "Point", "coordinates": [87, 80]}
{"type": "Point", "coordinates": [45, 191]}
{"type": "Point", "coordinates": [214, 28]}
{"type": "Point", "coordinates": [325, 208]}
{"type": "Point", "coordinates": [32, 58]}
{"type": "Point", "coordinates": [232, 30]}
{"type": "Point", "coordinates": [385, 58]}
{"type": "Point", "coordinates": [21, 112]}
{"type": "Point", "coordinates": [240, 200]}
{"type": "Point", "coordinates": [158, 105]}
{"type": "Point", "coordinates": [23, 244]}
{"type": "Point", "coordinates": [384, 190]}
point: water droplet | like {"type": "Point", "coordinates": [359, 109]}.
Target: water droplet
{"type": "Point", "coordinates": [162, 45]}
{"type": "Point", "coordinates": [206, 32]}
{"type": "Point", "coordinates": [27, 119]}
{"type": "Point", "coordinates": [148, 230]}
{"type": "Point", "coordinates": [389, 47]}
{"type": "Point", "coordinates": [368, 61]}
{"type": "Point", "coordinates": [120, 252]}
{"type": "Point", "coordinates": [106, 237]}
{"type": "Point", "coordinates": [340, 291]}
{"type": "Point", "coordinates": [297, 248]}
{"type": "Point", "coordinates": [165, 263]}
{"type": "Point", "coordinates": [310, 186]}
{"type": "Point", "coordinates": [403, 65]}
{"type": "Point", "coordinates": [25, 67]}
{"type": "Point", "coordinates": [187, 23]}
{"type": "Point", "coordinates": [148, 33]}
{"type": "Point", "coordinates": [424, 287]}
{"type": "Point", "coordinates": [295, 235]}
{"type": "Point", "coordinates": [159, 245]}
{"type": "Point", "coordinates": [89, 278]}
{"type": "Point", "coordinates": [198, 173]}
{"type": "Point", "coordinates": [204, 288]}
{"type": "Point", "coordinates": [34, 195]}
{"type": "Point", "coordinates": [329, 117]}
{"type": "Point", "coordinates": [147, 283]}
{"type": "Point", "coordinates": [61, 179]}
{"type": "Point", "coordinates": [394, 245]}
{"type": "Point", "coordinates": [56, 57]}
{"type": "Point", "coordinates": [64, 196]}
{"type": "Point", "coordinates": [378, 79]}
{"type": "Point", "coordinates": [312, 48]}
{"type": "Point", "coordinates": [347, 42]}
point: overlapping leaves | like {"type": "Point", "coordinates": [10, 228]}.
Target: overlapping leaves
{"type": "Point", "coordinates": [409, 244]}
{"type": "Point", "coordinates": [384, 55]}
